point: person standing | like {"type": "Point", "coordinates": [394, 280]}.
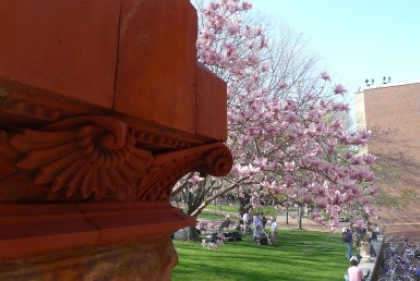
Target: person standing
{"type": "Point", "coordinates": [372, 251]}
{"type": "Point", "coordinates": [375, 233]}
{"type": "Point", "coordinates": [257, 220]}
{"type": "Point", "coordinates": [264, 220]}
{"type": "Point", "coordinates": [377, 230]}
{"type": "Point", "coordinates": [348, 240]}
{"type": "Point", "coordinates": [250, 218]}
{"type": "Point", "coordinates": [227, 221]}
{"type": "Point", "coordinates": [245, 219]}
{"type": "Point", "coordinates": [273, 231]}
{"type": "Point", "coordinates": [355, 273]}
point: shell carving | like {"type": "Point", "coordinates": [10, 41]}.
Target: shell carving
{"type": "Point", "coordinates": [84, 156]}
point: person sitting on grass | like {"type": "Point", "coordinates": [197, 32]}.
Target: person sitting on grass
{"type": "Point", "coordinates": [258, 233]}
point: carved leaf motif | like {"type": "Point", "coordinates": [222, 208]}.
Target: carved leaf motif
{"type": "Point", "coordinates": [214, 159]}
{"type": "Point", "coordinates": [86, 155]}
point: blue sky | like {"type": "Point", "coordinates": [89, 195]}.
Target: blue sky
{"type": "Point", "coordinates": [357, 39]}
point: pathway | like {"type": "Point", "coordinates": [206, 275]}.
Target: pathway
{"type": "Point", "coordinates": [367, 263]}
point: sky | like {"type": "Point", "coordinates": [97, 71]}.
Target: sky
{"type": "Point", "coordinates": [358, 39]}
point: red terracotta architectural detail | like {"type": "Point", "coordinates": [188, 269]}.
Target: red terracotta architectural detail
{"type": "Point", "coordinates": [84, 155]}
{"type": "Point", "coordinates": [102, 158]}
{"type": "Point", "coordinates": [133, 260]}
{"type": "Point", "coordinates": [219, 161]}
{"type": "Point", "coordinates": [213, 159]}
{"type": "Point", "coordinates": [18, 105]}
{"type": "Point", "coordinates": [98, 120]}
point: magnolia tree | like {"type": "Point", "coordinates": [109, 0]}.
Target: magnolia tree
{"type": "Point", "coordinates": [285, 138]}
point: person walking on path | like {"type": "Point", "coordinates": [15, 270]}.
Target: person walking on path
{"type": "Point", "coordinates": [348, 240]}
{"type": "Point", "coordinates": [273, 231]}
{"type": "Point", "coordinates": [377, 230]}
{"type": "Point", "coordinates": [355, 273]}
{"type": "Point", "coordinates": [375, 233]}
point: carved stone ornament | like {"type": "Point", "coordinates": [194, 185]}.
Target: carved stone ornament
{"type": "Point", "coordinates": [97, 157]}
{"type": "Point", "coordinates": [151, 259]}
{"type": "Point", "coordinates": [98, 121]}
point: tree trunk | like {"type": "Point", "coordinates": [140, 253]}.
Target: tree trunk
{"type": "Point", "coordinates": [193, 234]}
{"type": "Point", "coordinates": [300, 214]}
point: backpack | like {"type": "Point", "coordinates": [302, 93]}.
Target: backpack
{"type": "Point", "coordinates": [345, 237]}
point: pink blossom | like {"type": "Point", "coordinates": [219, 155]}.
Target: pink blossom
{"type": "Point", "coordinates": [246, 6]}
{"type": "Point", "coordinates": [307, 198]}
{"type": "Point", "coordinates": [233, 28]}
{"type": "Point", "coordinates": [233, 8]}
{"type": "Point", "coordinates": [325, 76]}
{"type": "Point", "coordinates": [245, 139]}
{"type": "Point", "coordinates": [369, 159]}
{"type": "Point", "coordinates": [282, 85]}
{"type": "Point", "coordinates": [339, 89]}
{"type": "Point", "coordinates": [336, 199]}
{"type": "Point", "coordinates": [257, 30]}
{"type": "Point", "coordinates": [196, 179]}
{"type": "Point", "coordinates": [263, 42]}
{"type": "Point", "coordinates": [370, 177]}
{"type": "Point", "coordinates": [291, 117]}
{"type": "Point", "coordinates": [373, 191]}
{"type": "Point", "coordinates": [213, 6]}
{"type": "Point", "coordinates": [320, 202]}
{"type": "Point", "coordinates": [253, 60]}
{"type": "Point", "coordinates": [264, 67]}
{"type": "Point", "coordinates": [290, 166]}
{"type": "Point", "coordinates": [364, 201]}
{"type": "Point", "coordinates": [365, 134]}
{"type": "Point", "coordinates": [249, 170]}
{"type": "Point", "coordinates": [341, 107]}
{"type": "Point", "coordinates": [267, 185]}
{"type": "Point", "coordinates": [261, 163]}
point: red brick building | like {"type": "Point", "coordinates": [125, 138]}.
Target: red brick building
{"type": "Point", "coordinates": [392, 113]}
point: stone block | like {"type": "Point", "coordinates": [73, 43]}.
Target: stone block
{"type": "Point", "coordinates": [156, 79]}
{"type": "Point", "coordinates": [211, 105]}
{"type": "Point", "coordinates": [28, 230]}
{"type": "Point", "coordinates": [146, 259]}
{"type": "Point", "coordinates": [65, 47]}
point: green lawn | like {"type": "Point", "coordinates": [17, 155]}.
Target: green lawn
{"type": "Point", "coordinates": [219, 212]}
{"type": "Point", "coordinates": [211, 215]}
{"type": "Point", "coordinates": [299, 255]}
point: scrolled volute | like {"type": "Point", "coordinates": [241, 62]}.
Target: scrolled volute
{"type": "Point", "coordinates": [219, 161]}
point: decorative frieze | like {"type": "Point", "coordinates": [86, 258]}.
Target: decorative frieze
{"type": "Point", "coordinates": [100, 158]}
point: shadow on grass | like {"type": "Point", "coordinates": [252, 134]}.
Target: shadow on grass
{"type": "Point", "coordinates": [297, 256]}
